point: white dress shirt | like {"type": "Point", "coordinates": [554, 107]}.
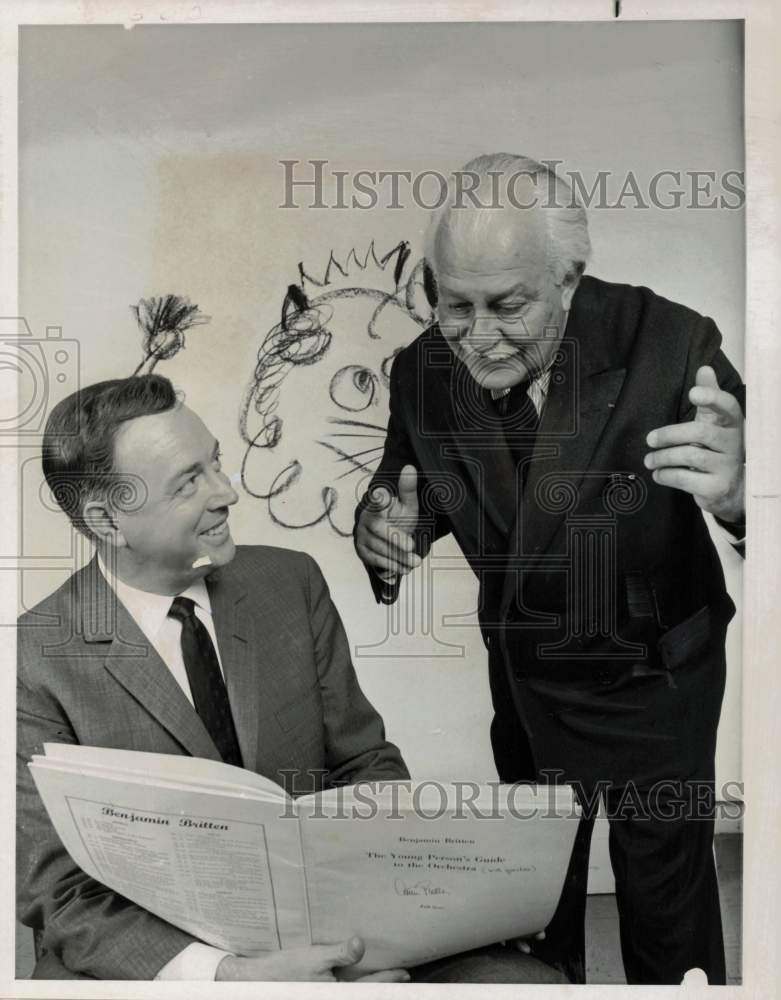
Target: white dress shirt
{"type": "Point", "coordinates": [150, 612]}
{"type": "Point", "coordinates": [537, 390]}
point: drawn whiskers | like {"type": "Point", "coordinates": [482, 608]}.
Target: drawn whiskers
{"type": "Point", "coordinates": [357, 423]}
{"type": "Point", "coordinates": [354, 457]}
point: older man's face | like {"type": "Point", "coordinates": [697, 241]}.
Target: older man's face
{"type": "Point", "coordinates": [500, 307]}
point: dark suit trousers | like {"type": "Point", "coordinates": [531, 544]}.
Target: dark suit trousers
{"type": "Point", "coordinates": [661, 849]}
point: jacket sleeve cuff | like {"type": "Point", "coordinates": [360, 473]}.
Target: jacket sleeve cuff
{"type": "Point", "coordinates": [385, 591]}
{"type": "Point", "coordinates": [196, 962]}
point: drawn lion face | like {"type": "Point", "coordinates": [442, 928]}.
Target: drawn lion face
{"type": "Point", "coordinates": [315, 413]}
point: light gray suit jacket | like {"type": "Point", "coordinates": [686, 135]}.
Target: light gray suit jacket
{"type": "Point", "coordinates": [88, 675]}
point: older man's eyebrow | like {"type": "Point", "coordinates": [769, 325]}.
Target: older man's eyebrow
{"type": "Point", "coordinates": [517, 292]}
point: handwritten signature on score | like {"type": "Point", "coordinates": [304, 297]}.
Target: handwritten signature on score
{"type": "Point", "coordinates": [418, 889]}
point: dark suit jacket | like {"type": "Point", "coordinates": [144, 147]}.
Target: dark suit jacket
{"type": "Point", "coordinates": [602, 600]}
{"type": "Point", "coordinates": [86, 674]}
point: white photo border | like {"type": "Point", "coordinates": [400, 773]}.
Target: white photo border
{"type": "Point", "coordinates": [761, 705]}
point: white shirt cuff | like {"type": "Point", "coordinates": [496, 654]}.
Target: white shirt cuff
{"type": "Point", "coordinates": [388, 587]}
{"type": "Point", "coordinates": [195, 962]}
{"type": "Point", "coordinates": [728, 535]}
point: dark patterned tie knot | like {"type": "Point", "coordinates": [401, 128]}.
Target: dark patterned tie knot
{"type": "Point", "coordinates": [181, 608]}
{"type": "Point", "coordinates": [518, 410]}
{"type": "Point", "coordinates": [210, 696]}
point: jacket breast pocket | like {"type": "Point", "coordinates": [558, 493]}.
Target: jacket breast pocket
{"type": "Point", "coordinates": [686, 639]}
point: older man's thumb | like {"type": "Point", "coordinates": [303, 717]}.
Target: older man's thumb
{"type": "Point", "coordinates": [706, 377]}
{"type": "Point", "coordinates": [408, 487]}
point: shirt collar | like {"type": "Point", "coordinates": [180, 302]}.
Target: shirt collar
{"type": "Point", "coordinates": [541, 381]}
{"type": "Point", "coordinates": [151, 610]}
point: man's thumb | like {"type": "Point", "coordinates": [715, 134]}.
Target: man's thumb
{"type": "Point", "coordinates": [408, 486]}
{"type": "Point", "coordinates": [706, 377]}
{"type": "Point", "coordinates": [346, 953]}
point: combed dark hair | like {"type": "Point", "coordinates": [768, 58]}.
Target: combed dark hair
{"type": "Point", "coordinates": [78, 442]}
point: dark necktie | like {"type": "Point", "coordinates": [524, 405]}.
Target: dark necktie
{"type": "Point", "coordinates": [519, 414]}
{"type": "Point", "coordinates": [519, 424]}
{"type": "Point", "coordinates": [208, 688]}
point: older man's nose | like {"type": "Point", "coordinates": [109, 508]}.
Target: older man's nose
{"type": "Point", "coordinates": [484, 332]}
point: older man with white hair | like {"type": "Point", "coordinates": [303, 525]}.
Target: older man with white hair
{"type": "Point", "coordinates": [570, 432]}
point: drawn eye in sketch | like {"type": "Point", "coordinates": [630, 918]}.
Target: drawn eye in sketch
{"type": "Point", "coordinates": [354, 388]}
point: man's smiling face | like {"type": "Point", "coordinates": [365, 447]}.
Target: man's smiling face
{"type": "Point", "coordinates": [499, 305]}
{"type": "Point", "coordinates": [184, 516]}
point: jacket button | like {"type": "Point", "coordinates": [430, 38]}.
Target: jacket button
{"type": "Point", "coordinates": [519, 675]}
{"type": "Point", "coordinates": [605, 677]}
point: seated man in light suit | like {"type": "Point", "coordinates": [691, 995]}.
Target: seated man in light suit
{"type": "Point", "coordinates": [172, 640]}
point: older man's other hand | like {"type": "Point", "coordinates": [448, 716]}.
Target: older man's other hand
{"type": "Point", "coordinates": [706, 456]}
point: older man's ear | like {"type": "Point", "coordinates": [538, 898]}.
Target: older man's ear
{"type": "Point", "coordinates": [569, 285]}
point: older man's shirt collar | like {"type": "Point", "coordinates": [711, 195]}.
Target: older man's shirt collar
{"type": "Point", "coordinates": [538, 387]}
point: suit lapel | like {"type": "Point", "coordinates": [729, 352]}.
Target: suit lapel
{"type": "Point", "coordinates": [562, 455]}
{"type": "Point", "coordinates": [584, 388]}
{"type": "Point", "coordinates": [135, 664]}
{"type": "Point", "coordinates": [245, 615]}
{"type": "Point", "coordinates": [472, 441]}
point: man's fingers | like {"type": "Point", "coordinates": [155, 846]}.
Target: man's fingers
{"type": "Point", "coordinates": [395, 560]}
{"type": "Point", "coordinates": [384, 564]}
{"type": "Point", "coordinates": [382, 552]}
{"type": "Point", "coordinates": [696, 483]}
{"type": "Point", "coordinates": [392, 534]}
{"type": "Point", "coordinates": [524, 945]}
{"type": "Point", "coordinates": [687, 456]}
{"type": "Point", "coordinates": [379, 500]}
{"type": "Point", "coordinates": [387, 541]}
{"type": "Point", "coordinates": [693, 432]}
{"type": "Point", "coordinates": [386, 976]}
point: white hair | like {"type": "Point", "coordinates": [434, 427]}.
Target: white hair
{"type": "Point", "coordinates": [569, 246]}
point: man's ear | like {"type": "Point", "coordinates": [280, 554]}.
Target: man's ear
{"type": "Point", "coordinates": [569, 285]}
{"type": "Point", "coordinates": [101, 521]}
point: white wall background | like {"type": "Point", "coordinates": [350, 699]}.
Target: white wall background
{"type": "Point", "coordinates": [149, 164]}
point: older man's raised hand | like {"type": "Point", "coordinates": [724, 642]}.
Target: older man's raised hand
{"type": "Point", "coordinates": [705, 456]}
{"type": "Point", "coordinates": [385, 533]}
